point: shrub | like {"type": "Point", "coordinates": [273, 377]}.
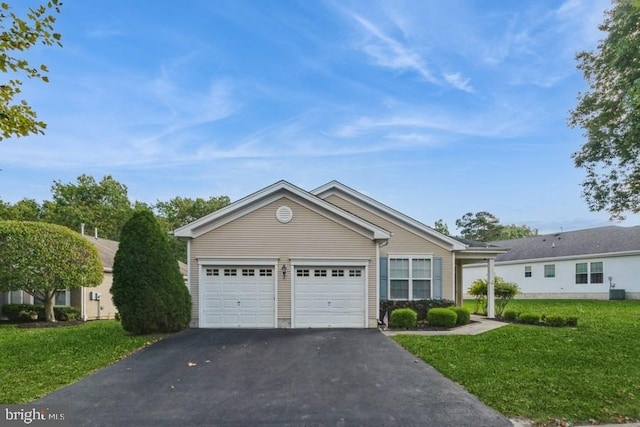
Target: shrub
{"type": "Point", "coordinates": [404, 318]}
{"type": "Point", "coordinates": [444, 317]}
{"type": "Point", "coordinates": [464, 315]}
{"type": "Point", "coordinates": [148, 289]}
{"type": "Point", "coordinates": [555, 320]}
{"type": "Point", "coordinates": [66, 313]}
{"type": "Point", "coordinates": [502, 291]}
{"type": "Point", "coordinates": [22, 312]}
{"type": "Point", "coordinates": [529, 318]}
{"type": "Point", "coordinates": [419, 306]}
{"type": "Point", "coordinates": [572, 321]}
{"type": "Point", "coordinates": [510, 315]}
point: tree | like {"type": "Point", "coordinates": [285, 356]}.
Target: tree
{"type": "Point", "coordinates": [503, 291]}
{"type": "Point", "coordinates": [486, 227]}
{"type": "Point", "coordinates": [516, 232]}
{"type": "Point", "coordinates": [23, 210]}
{"type": "Point", "coordinates": [104, 205]}
{"type": "Point", "coordinates": [41, 258]}
{"type": "Point", "coordinates": [19, 34]}
{"type": "Point", "coordinates": [148, 288]}
{"type": "Point", "coordinates": [181, 211]}
{"type": "Point", "coordinates": [482, 226]}
{"type": "Point", "coordinates": [609, 114]}
{"type": "Point", "coordinates": [441, 227]}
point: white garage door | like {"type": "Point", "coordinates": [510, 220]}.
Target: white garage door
{"type": "Point", "coordinates": [329, 297]}
{"type": "Point", "coordinates": [237, 297]}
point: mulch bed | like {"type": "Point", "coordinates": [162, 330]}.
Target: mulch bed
{"type": "Point", "coordinates": [424, 326]}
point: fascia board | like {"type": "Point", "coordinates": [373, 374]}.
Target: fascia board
{"type": "Point", "coordinates": [388, 213]}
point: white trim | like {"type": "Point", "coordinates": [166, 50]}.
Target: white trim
{"type": "Point", "coordinates": [330, 262]}
{"type": "Point", "coordinates": [410, 257]}
{"type": "Point", "coordinates": [388, 213]}
{"type": "Point", "coordinates": [560, 258]}
{"type": "Point", "coordinates": [203, 263]}
{"type": "Point", "coordinates": [377, 264]}
{"type": "Point", "coordinates": [268, 195]}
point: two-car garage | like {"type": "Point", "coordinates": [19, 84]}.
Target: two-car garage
{"type": "Point", "coordinates": [245, 296]}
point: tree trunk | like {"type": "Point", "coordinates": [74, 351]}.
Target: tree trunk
{"type": "Point", "coordinates": [48, 307]}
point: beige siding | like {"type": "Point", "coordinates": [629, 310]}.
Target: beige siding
{"type": "Point", "coordinates": [404, 241]}
{"type": "Point", "coordinates": [107, 309]}
{"type": "Point", "coordinates": [259, 234]}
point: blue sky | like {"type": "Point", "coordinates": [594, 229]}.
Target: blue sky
{"type": "Point", "coordinates": [433, 108]}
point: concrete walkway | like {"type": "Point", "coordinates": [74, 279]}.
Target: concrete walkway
{"type": "Point", "coordinates": [479, 325]}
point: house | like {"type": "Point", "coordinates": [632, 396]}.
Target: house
{"type": "Point", "coordinates": [94, 303]}
{"type": "Point", "coordinates": [572, 264]}
{"type": "Point", "coordinates": [284, 257]}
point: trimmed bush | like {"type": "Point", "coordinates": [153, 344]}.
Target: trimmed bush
{"type": "Point", "coordinates": [404, 318]}
{"type": "Point", "coordinates": [464, 315]}
{"type": "Point", "coordinates": [444, 317]}
{"type": "Point", "coordinates": [66, 313]}
{"type": "Point", "coordinates": [572, 321]}
{"type": "Point", "coordinates": [510, 315]}
{"type": "Point", "coordinates": [419, 306]}
{"type": "Point", "coordinates": [529, 318]}
{"type": "Point", "coordinates": [148, 289]}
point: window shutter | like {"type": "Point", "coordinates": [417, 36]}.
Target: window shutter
{"type": "Point", "coordinates": [437, 278]}
{"type": "Point", "coordinates": [384, 277]}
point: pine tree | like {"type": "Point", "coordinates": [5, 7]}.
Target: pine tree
{"type": "Point", "coordinates": [148, 288]}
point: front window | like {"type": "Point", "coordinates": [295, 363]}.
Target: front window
{"type": "Point", "coordinates": [409, 278]}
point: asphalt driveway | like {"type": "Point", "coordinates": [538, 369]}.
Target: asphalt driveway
{"type": "Point", "coordinates": [272, 377]}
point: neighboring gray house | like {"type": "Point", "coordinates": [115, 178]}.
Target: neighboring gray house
{"type": "Point", "coordinates": [572, 264]}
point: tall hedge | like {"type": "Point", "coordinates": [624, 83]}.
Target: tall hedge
{"type": "Point", "coordinates": [148, 288]}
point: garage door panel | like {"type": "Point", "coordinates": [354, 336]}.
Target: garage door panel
{"type": "Point", "coordinates": [239, 297]}
{"type": "Point", "coordinates": [329, 297]}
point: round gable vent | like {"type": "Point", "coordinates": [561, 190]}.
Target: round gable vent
{"type": "Point", "coordinates": [284, 214]}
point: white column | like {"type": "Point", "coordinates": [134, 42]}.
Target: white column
{"type": "Point", "coordinates": [490, 286]}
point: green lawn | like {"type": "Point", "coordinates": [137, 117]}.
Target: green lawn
{"type": "Point", "coordinates": [591, 372]}
{"type": "Point", "coordinates": [37, 361]}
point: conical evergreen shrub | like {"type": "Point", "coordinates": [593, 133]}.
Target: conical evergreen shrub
{"type": "Point", "coordinates": [148, 288]}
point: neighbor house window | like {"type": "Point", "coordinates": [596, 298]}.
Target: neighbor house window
{"type": "Point", "coordinates": [409, 278]}
{"type": "Point", "coordinates": [592, 272]}
{"type": "Point", "coordinates": [597, 272]}
{"type": "Point", "coordinates": [527, 271]}
{"type": "Point", "coordinates": [550, 270]}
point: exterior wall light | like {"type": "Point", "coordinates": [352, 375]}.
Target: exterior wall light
{"type": "Point", "coordinates": [284, 271]}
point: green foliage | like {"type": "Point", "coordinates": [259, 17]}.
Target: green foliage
{"type": "Point", "coordinates": [577, 376]}
{"type": "Point", "coordinates": [22, 312]}
{"type": "Point", "coordinates": [419, 306]}
{"type": "Point", "coordinates": [609, 114]}
{"type": "Point", "coordinates": [148, 288]}
{"type": "Point", "coordinates": [503, 293]}
{"type": "Point", "coordinates": [529, 318]}
{"type": "Point", "coordinates": [19, 34]}
{"type": "Point", "coordinates": [572, 321]}
{"type": "Point", "coordinates": [104, 205]}
{"type": "Point", "coordinates": [486, 227]}
{"type": "Point", "coordinates": [37, 361]}
{"type": "Point", "coordinates": [510, 315]}
{"type": "Point", "coordinates": [441, 227]}
{"type": "Point", "coordinates": [464, 315]}
{"type": "Point", "coordinates": [41, 258]}
{"type": "Point", "coordinates": [444, 317]}
{"type": "Point", "coordinates": [404, 318]}
{"type": "Point", "coordinates": [67, 313]}
{"type": "Point", "coordinates": [181, 211]}
{"type": "Point", "coordinates": [555, 320]}
{"type": "Point", "coordinates": [23, 210]}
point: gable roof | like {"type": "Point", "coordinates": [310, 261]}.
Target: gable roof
{"type": "Point", "coordinates": [594, 241]}
{"type": "Point", "coordinates": [107, 250]}
{"type": "Point", "coordinates": [366, 202]}
{"type": "Point", "coordinates": [271, 193]}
